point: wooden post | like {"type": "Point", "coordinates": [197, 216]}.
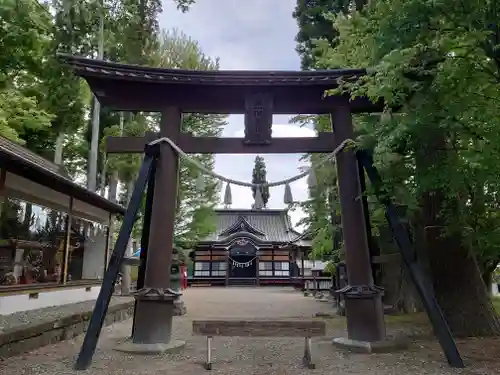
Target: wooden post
{"type": "Point", "coordinates": [67, 243]}
{"type": "Point", "coordinates": [364, 310]}
{"type": "Point", "coordinates": [302, 270]}
{"type": "Point", "coordinates": [257, 276]}
{"type": "Point", "coordinates": [153, 323]}
{"type": "Point", "coordinates": [228, 267]}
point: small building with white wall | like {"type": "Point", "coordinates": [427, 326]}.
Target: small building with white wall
{"type": "Point", "coordinates": [54, 234]}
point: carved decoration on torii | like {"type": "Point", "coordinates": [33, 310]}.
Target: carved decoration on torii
{"type": "Point", "coordinates": [258, 118]}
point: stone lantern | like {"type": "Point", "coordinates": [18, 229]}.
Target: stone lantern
{"type": "Point", "coordinates": [175, 281]}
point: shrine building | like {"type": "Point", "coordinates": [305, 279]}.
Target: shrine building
{"type": "Point", "coordinates": [54, 233]}
{"type": "Point", "coordinates": [250, 247]}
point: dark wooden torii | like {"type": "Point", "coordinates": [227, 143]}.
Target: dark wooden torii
{"type": "Point", "coordinates": [258, 95]}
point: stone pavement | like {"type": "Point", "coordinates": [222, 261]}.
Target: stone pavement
{"type": "Point", "coordinates": [238, 356]}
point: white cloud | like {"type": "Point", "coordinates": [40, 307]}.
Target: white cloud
{"type": "Point", "coordinates": [257, 34]}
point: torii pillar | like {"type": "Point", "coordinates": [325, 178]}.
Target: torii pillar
{"type": "Point", "coordinates": [156, 300]}
{"type": "Point", "coordinates": [363, 299]}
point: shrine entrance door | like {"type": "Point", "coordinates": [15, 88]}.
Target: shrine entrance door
{"type": "Point", "coordinates": [242, 262]}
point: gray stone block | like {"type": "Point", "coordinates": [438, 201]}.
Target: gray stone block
{"type": "Point", "coordinates": [366, 347]}
{"type": "Point", "coordinates": [179, 308]}
{"type": "Point", "coordinates": [174, 346]}
{"type": "Point", "coordinates": [259, 328]}
{"type": "Point", "coordinates": [25, 338]}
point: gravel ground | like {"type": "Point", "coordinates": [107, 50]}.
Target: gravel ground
{"type": "Point", "coordinates": [50, 313]}
{"type": "Point", "coordinates": [238, 356]}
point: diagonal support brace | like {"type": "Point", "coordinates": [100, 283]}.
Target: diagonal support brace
{"type": "Point", "coordinates": [408, 254]}
{"type": "Point", "coordinates": [101, 307]}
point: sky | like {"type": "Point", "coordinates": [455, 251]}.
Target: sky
{"type": "Point", "coordinates": [248, 35]}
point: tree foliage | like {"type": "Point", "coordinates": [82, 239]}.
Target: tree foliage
{"type": "Point", "coordinates": [313, 19]}
{"type": "Point", "coordinates": [259, 176]}
{"type": "Point", "coordinates": [438, 63]}
{"type": "Point", "coordinates": [24, 33]}
{"type": "Point", "coordinates": [46, 108]}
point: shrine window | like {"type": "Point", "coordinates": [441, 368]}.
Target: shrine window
{"type": "Point", "coordinates": [281, 269]}
{"type": "Point", "coordinates": [32, 239]}
{"type": "Point", "coordinates": [265, 268]}
{"type": "Point", "coordinates": [36, 249]}
{"type": "Point", "coordinates": [219, 268]}
{"type": "Point", "coordinates": [87, 250]}
{"type": "Point", "coordinates": [202, 269]}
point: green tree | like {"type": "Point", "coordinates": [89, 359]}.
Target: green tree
{"type": "Point", "coordinates": [312, 17]}
{"type": "Point", "coordinates": [259, 176]}
{"type": "Point", "coordinates": [322, 210]}
{"type": "Point", "coordinates": [194, 218]}
{"type": "Point", "coordinates": [64, 96]}
{"type": "Point", "coordinates": [24, 31]}
{"type": "Point", "coordinates": [438, 63]}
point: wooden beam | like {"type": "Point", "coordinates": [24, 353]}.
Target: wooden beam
{"type": "Point", "coordinates": [128, 144]}
{"type": "Point", "coordinates": [323, 143]}
{"type": "Point", "coordinates": [147, 97]}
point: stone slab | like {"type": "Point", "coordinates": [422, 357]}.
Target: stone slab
{"type": "Point", "coordinates": [18, 340]}
{"type": "Point", "coordinates": [179, 308]}
{"type": "Point", "coordinates": [174, 346]}
{"type": "Point", "coordinates": [259, 328]}
{"type": "Point", "coordinates": [365, 347]}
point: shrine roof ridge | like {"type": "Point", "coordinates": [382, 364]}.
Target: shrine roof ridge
{"type": "Point", "coordinates": [102, 68]}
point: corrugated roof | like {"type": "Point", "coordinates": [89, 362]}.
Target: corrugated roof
{"type": "Point", "coordinates": [13, 148]}
{"type": "Point", "coordinates": [25, 163]}
{"type": "Point", "coordinates": [274, 224]}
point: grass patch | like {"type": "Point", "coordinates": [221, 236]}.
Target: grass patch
{"type": "Point", "coordinates": [404, 319]}
{"type": "Point", "coordinates": [133, 272]}
{"type": "Point", "coordinates": [418, 319]}
{"type": "Point", "coordinates": [496, 304]}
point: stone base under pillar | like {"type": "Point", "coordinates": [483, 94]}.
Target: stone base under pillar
{"type": "Point", "coordinates": [128, 346]}
{"type": "Point", "coordinates": [365, 347]}
{"type": "Point", "coordinates": [179, 308]}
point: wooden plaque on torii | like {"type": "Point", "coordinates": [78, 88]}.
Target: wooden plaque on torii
{"type": "Point", "coordinates": [258, 118]}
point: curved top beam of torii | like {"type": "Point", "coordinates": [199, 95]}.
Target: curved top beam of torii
{"type": "Point", "coordinates": [140, 88]}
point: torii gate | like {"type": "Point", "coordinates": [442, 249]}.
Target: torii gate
{"type": "Point", "coordinates": [259, 95]}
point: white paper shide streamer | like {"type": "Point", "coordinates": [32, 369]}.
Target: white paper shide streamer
{"type": "Point", "coordinates": [240, 264]}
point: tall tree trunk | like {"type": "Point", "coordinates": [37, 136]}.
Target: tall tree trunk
{"type": "Point", "coordinates": [455, 275]}
{"type": "Point", "coordinates": [127, 277]}
{"type": "Point", "coordinates": [410, 301]}
{"type": "Point", "coordinates": [113, 187]}
{"type": "Point", "coordinates": [58, 152]}
{"type": "Point", "coordinates": [488, 281]}
{"type": "Point", "coordinates": [487, 271]}
{"type": "Point", "coordinates": [28, 216]}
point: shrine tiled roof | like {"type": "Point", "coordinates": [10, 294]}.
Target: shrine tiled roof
{"type": "Point", "coordinates": [25, 163]}
{"type": "Point", "coordinates": [10, 147]}
{"type": "Point", "coordinates": [99, 68]}
{"type": "Point", "coordinates": [267, 224]}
